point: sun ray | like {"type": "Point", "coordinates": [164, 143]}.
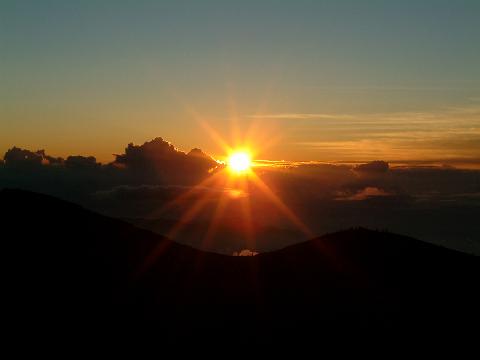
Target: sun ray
{"type": "Point", "coordinates": [190, 192]}
{"type": "Point", "coordinates": [214, 223]}
{"type": "Point", "coordinates": [216, 137]}
{"type": "Point", "coordinates": [188, 215]}
{"type": "Point", "coordinates": [280, 204]}
{"type": "Point", "coordinates": [241, 174]}
{"type": "Point", "coordinates": [247, 215]}
{"type": "Point", "coordinates": [177, 227]}
{"type": "Point", "coordinates": [233, 116]}
{"type": "Point", "coordinates": [271, 142]}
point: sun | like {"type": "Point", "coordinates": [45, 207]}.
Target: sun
{"type": "Point", "coordinates": [239, 161]}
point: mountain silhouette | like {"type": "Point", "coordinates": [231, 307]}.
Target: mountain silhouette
{"type": "Point", "coordinates": [73, 269]}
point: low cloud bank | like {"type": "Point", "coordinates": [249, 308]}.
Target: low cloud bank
{"type": "Point", "coordinates": [438, 204]}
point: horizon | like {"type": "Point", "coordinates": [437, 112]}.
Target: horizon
{"type": "Point", "coordinates": [457, 163]}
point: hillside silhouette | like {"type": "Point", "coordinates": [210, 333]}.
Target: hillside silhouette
{"type": "Point", "coordinates": [73, 269]}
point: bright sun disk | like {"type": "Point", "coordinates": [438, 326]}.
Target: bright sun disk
{"type": "Point", "coordinates": [239, 161]}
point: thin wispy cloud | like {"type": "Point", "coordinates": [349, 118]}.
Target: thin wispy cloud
{"type": "Point", "coordinates": [411, 116]}
{"type": "Point", "coordinates": [448, 133]}
{"type": "Point", "coordinates": [300, 116]}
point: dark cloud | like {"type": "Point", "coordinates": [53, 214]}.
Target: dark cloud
{"type": "Point", "coordinates": [154, 163]}
{"type": "Point", "coordinates": [159, 200]}
{"type": "Point", "coordinates": [436, 203]}
{"type": "Point", "coordinates": [16, 157]}
{"type": "Point", "coordinates": [363, 194]}
{"type": "Point", "coordinates": [22, 158]}
{"type": "Point", "coordinates": [159, 161]}
{"type": "Point", "coordinates": [50, 160]}
{"type": "Point", "coordinates": [141, 192]}
{"type": "Point", "coordinates": [81, 162]}
{"type": "Point", "coordinates": [414, 200]}
{"type": "Point", "coordinates": [161, 193]}
{"type": "Point", "coordinates": [373, 167]}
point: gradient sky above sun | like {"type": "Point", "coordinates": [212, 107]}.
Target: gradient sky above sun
{"type": "Point", "coordinates": [333, 80]}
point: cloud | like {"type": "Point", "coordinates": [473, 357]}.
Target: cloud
{"type": "Point", "coordinates": [444, 133]}
{"type": "Point", "coordinates": [413, 199]}
{"type": "Point", "coordinates": [26, 159]}
{"type": "Point", "coordinates": [154, 163]}
{"type": "Point", "coordinates": [17, 157]}
{"type": "Point", "coordinates": [162, 201]}
{"type": "Point", "coordinates": [363, 194]}
{"type": "Point", "coordinates": [245, 252]}
{"type": "Point", "coordinates": [165, 193]}
{"type": "Point", "coordinates": [82, 162]}
{"type": "Point", "coordinates": [141, 192]}
{"type": "Point", "coordinates": [158, 160]}
{"type": "Point", "coordinates": [301, 116]}
{"type": "Point", "coordinates": [373, 167]}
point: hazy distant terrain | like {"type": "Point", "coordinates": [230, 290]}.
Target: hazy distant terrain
{"type": "Point", "coordinates": [228, 238]}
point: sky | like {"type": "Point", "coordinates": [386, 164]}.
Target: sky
{"type": "Point", "coordinates": [329, 80]}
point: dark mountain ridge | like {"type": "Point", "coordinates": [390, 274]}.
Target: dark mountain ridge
{"type": "Point", "coordinates": [71, 268]}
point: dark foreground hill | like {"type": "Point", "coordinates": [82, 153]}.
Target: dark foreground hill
{"type": "Point", "coordinates": [70, 272]}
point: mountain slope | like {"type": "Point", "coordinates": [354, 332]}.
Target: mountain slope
{"type": "Point", "coordinates": [70, 268]}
